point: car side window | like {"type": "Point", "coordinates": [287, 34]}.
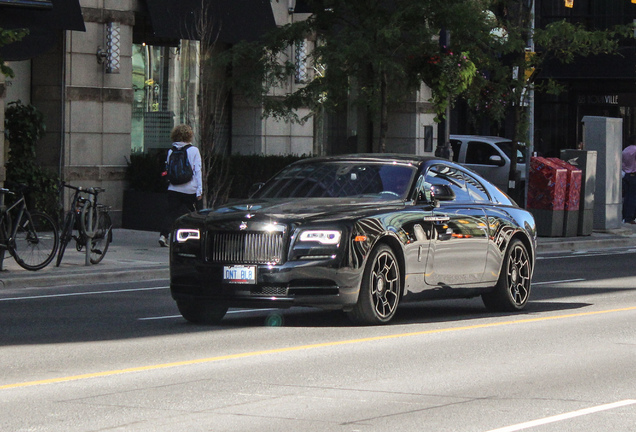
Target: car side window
{"type": "Point", "coordinates": [456, 145]}
{"type": "Point", "coordinates": [476, 190]}
{"type": "Point", "coordinates": [479, 153]}
{"type": "Point", "coordinates": [445, 175]}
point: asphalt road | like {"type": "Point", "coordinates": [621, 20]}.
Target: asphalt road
{"type": "Point", "coordinates": [118, 357]}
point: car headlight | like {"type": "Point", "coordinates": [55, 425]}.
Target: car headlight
{"type": "Point", "coordinates": [185, 234]}
{"type": "Point", "coordinates": [324, 237]}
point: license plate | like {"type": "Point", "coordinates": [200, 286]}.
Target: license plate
{"type": "Point", "coordinates": [239, 274]}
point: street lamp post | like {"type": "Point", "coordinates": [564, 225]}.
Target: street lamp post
{"type": "Point", "coordinates": [443, 148]}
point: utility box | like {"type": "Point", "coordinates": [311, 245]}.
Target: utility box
{"type": "Point", "coordinates": [586, 161]}
{"type": "Point", "coordinates": [572, 197]}
{"type": "Point", "coordinates": [547, 184]}
{"type": "Point", "coordinates": [605, 136]}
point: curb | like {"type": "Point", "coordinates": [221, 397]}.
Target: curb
{"type": "Point", "coordinates": [599, 241]}
{"type": "Point", "coordinates": [81, 275]}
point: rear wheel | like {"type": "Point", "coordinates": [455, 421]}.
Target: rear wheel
{"type": "Point", "coordinates": [513, 287]}
{"type": "Point", "coordinates": [380, 289]}
{"type": "Point", "coordinates": [36, 241]}
{"type": "Point", "coordinates": [201, 313]}
{"type": "Point", "coordinates": [102, 237]}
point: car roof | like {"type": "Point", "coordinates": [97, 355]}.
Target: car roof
{"type": "Point", "coordinates": [377, 157]}
{"type": "Point", "coordinates": [480, 137]}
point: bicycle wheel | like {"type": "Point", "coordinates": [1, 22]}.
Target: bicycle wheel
{"type": "Point", "coordinates": [65, 236]}
{"type": "Point", "coordinates": [102, 238]}
{"type": "Point", "coordinates": [36, 241]}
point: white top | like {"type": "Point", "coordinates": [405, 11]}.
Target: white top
{"type": "Point", "coordinates": [194, 186]}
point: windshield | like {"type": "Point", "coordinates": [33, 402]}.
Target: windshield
{"type": "Point", "coordinates": [340, 179]}
{"type": "Point", "coordinates": [506, 147]}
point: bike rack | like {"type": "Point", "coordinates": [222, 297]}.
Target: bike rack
{"type": "Point", "coordinates": [2, 250]}
{"type": "Point", "coordinates": [89, 229]}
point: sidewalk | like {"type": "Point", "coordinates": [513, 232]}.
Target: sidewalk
{"type": "Point", "coordinates": [133, 255]}
{"type": "Point", "coordinates": [136, 255]}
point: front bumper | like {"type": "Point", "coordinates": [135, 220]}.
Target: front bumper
{"type": "Point", "coordinates": [317, 283]}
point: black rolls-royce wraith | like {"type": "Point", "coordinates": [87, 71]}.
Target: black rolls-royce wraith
{"type": "Point", "coordinates": [361, 233]}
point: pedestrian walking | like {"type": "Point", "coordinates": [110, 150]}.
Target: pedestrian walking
{"type": "Point", "coordinates": [183, 169]}
{"type": "Point", "coordinates": [629, 181]}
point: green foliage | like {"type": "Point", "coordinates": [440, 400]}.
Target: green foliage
{"type": "Point", "coordinates": [448, 75]}
{"type": "Point", "coordinates": [242, 171]}
{"type": "Point", "coordinates": [24, 126]}
{"type": "Point", "coordinates": [504, 67]}
{"type": "Point", "coordinates": [362, 47]}
{"type": "Point", "coordinates": [7, 37]}
{"type": "Point", "coordinates": [564, 41]}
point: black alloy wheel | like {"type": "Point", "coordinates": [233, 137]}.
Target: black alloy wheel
{"type": "Point", "coordinates": [513, 287]}
{"type": "Point", "coordinates": [380, 289]}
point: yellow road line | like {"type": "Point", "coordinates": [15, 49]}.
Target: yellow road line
{"type": "Point", "coordinates": [300, 348]}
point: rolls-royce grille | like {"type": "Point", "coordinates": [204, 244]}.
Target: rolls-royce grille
{"type": "Point", "coordinates": [246, 247]}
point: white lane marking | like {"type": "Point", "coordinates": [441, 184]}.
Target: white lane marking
{"type": "Point", "coordinates": [83, 293]}
{"type": "Point", "coordinates": [159, 318]}
{"type": "Point", "coordinates": [565, 416]}
{"type": "Point", "coordinates": [229, 312]}
{"type": "Point", "coordinates": [557, 281]}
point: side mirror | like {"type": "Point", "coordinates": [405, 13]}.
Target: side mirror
{"type": "Point", "coordinates": [496, 160]}
{"type": "Point", "coordinates": [442, 192]}
{"type": "Point", "coordinates": [255, 188]}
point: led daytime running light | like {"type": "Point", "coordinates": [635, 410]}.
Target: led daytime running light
{"type": "Point", "coordinates": [325, 237]}
{"type": "Point", "coordinates": [183, 235]}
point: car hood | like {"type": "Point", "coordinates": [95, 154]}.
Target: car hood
{"type": "Point", "coordinates": [300, 209]}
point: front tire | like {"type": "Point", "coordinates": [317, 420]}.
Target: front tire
{"type": "Point", "coordinates": [201, 313]}
{"type": "Point", "coordinates": [513, 287]}
{"type": "Point", "coordinates": [36, 241]}
{"type": "Point", "coordinates": [380, 289]}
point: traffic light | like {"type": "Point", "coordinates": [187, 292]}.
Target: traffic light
{"type": "Point", "coordinates": [530, 71]}
{"type": "Point", "coordinates": [570, 3]}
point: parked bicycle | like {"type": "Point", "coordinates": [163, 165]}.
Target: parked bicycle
{"type": "Point", "coordinates": [86, 222]}
{"type": "Point", "coordinates": [30, 237]}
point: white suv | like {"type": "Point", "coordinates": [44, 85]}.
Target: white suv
{"type": "Point", "coordinates": [488, 156]}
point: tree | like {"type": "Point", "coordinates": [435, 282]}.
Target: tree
{"type": "Point", "coordinates": [507, 64]}
{"type": "Point", "coordinates": [7, 37]}
{"type": "Point", "coordinates": [371, 53]}
{"type": "Point", "coordinates": [24, 126]}
{"type": "Point", "coordinates": [213, 98]}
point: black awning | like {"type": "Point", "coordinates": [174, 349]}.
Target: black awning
{"type": "Point", "coordinates": [42, 25]}
{"type": "Point", "coordinates": [233, 20]}
{"type": "Point", "coordinates": [64, 15]}
{"type": "Point", "coordinates": [302, 7]}
{"type": "Point", "coordinates": [45, 4]}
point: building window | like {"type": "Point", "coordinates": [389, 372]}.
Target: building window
{"type": "Point", "coordinates": [165, 84]}
{"type": "Point", "coordinates": [301, 62]}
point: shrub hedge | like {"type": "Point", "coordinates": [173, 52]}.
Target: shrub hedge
{"type": "Point", "coordinates": [144, 171]}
